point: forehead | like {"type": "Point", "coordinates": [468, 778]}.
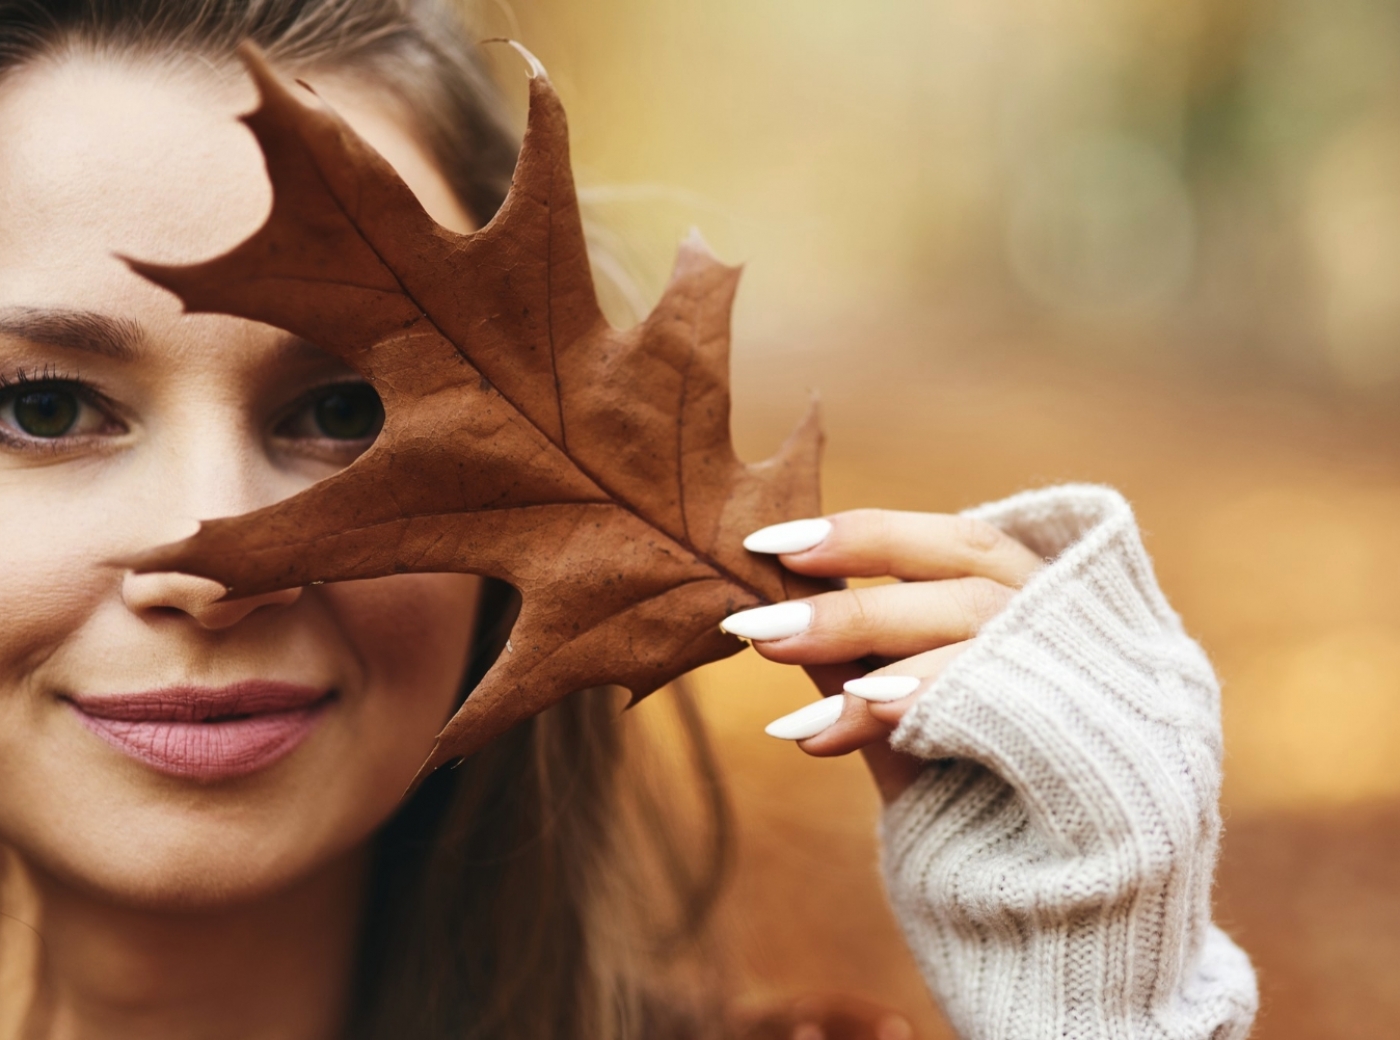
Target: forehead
{"type": "Point", "coordinates": [102, 155]}
{"type": "Point", "coordinates": [99, 156]}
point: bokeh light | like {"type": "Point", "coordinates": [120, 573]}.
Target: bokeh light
{"type": "Point", "coordinates": [1153, 243]}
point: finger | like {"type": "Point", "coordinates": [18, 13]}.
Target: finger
{"type": "Point", "coordinates": [888, 693]}
{"type": "Point", "coordinates": [887, 699]}
{"type": "Point", "coordinates": [823, 730]}
{"type": "Point", "coordinates": [869, 543]}
{"type": "Point", "coordinates": [841, 724]}
{"type": "Point", "coordinates": [893, 621]}
{"type": "Point", "coordinates": [831, 726]}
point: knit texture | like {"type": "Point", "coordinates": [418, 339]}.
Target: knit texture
{"type": "Point", "coordinates": [1052, 865]}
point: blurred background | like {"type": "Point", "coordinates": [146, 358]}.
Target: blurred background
{"type": "Point", "coordinates": [1154, 243]}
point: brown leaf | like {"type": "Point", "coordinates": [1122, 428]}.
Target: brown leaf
{"type": "Point", "coordinates": [524, 438]}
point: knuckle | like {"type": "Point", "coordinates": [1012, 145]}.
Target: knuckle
{"type": "Point", "coordinates": [865, 542]}
{"type": "Point", "coordinates": [864, 516]}
{"type": "Point", "coordinates": [977, 536]}
{"type": "Point", "coordinates": [883, 538]}
{"type": "Point", "coordinates": [864, 613]}
{"type": "Point", "coordinates": [981, 599]}
{"type": "Point", "coordinates": [860, 521]}
{"type": "Point", "coordinates": [870, 526]}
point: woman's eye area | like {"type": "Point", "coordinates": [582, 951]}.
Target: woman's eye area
{"type": "Point", "coordinates": [349, 413]}
{"type": "Point", "coordinates": [49, 412]}
{"type": "Point", "coordinates": [50, 409]}
{"type": "Point", "coordinates": [342, 412]}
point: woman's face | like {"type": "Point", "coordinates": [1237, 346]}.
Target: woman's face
{"type": "Point", "coordinates": [156, 747]}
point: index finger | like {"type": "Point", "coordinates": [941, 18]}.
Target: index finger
{"type": "Point", "coordinates": [877, 543]}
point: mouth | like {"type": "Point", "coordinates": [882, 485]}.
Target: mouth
{"type": "Point", "coordinates": [206, 733]}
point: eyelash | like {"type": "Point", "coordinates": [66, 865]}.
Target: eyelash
{"type": "Point", "coordinates": [21, 378]}
{"type": "Point", "coordinates": [13, 385]}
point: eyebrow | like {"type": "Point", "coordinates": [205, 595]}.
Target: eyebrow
{"type": "Point", "coordinates": [71, 329]}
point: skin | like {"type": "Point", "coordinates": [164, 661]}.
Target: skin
{"type": "Point", "coordinates": [173, 908]}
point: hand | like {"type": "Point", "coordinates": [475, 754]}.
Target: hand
{"type": "Point", "coordinates": [955, 574]}
{"type": "Point", "coordinates": [826, 1018]}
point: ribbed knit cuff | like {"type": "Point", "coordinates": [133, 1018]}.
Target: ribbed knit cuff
{"type": "Point", "coordinates": [1052, 866]}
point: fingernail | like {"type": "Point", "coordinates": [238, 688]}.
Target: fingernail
{"type": "Point", "coordinates": [774, 622]}
{"type": "Point", "coordinates": [882, 687]}
{"type": "Point", "coordinates": [806, 721]}
{"type": "Point", "coordinates": [792, 537]}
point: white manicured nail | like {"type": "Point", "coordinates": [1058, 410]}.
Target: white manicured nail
{"type": "Point", "coordinates": [807, 721]}
{"type": "Point", "coordinates": [774, 622]}
{"type": "Point", "coordinates": [883, 687]}
{"type": "Point", "coordinates": [795, 536]}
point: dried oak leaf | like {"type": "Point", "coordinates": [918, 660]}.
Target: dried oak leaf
{"type": "Point", "coordinates": [524, 437]}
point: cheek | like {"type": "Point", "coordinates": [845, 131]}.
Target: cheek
{"type": "Point", "coordinates": [52, 580]}
{"type": "Point", "coordinates": [412, 638]}
{"type": "Point", "coordinates": [61, 528]}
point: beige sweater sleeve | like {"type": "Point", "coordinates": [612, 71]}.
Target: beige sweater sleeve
{"type": "Point", "coordinates": [1052, 866]}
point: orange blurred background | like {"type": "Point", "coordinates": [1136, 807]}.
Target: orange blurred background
{"type": "Point", "coordinates": [1012, 242]}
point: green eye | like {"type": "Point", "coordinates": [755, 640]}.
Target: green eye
{"type": "Point", "coordinates": [46, 412]}
{"type": "Point", "coordinates": [349, 413]}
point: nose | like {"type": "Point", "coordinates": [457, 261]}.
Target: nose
{"type": "Point", "coordinates": [199, 598]}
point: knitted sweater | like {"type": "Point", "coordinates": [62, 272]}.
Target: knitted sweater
{"type": "Point", "coordinates": [1052, 865]}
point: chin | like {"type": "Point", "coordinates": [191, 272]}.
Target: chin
{"type": "Point", "coordinates": [142, 840]}
{"type": "Point", "coordinates": [189, 868]}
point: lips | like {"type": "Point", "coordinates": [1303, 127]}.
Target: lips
{"type": "Point", "coordinates": [204, 733]}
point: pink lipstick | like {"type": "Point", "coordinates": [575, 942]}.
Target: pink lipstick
{"type": "Point", "coordinates": [204, 733]}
